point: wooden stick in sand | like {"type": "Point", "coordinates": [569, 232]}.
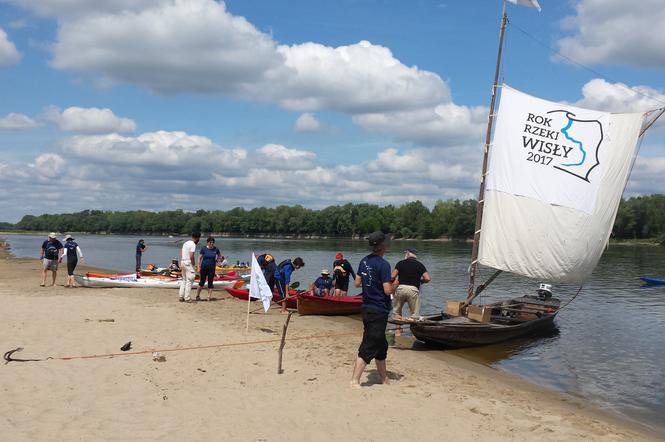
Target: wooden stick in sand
{"type": "Point", "coordinates": [281, 344]}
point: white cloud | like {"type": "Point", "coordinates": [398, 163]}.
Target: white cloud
{"type": "Point", "coordinates": [647, 176]}
{"type": "Point", "coordinates": [8, 53]}
{"type": "Point", "coordinates": [173, 150]}
{"type": "Point", "coordinates": [358, 78]}
{"type": "Point", "coordinates": [49, 165]}
{"type": "Point", "coordinates": [276, 156]}
{"type": "Point", "coordinates": [166, 170]}
{"type": "Point", "coordinates": [89, 120]}
{"type": "Point", "coordinates": [169, 47]}
{"type": "Point", "coordinates": [445, 123]}
{"type": "Point", "coordinates": [196, 46]}
{"type": "Point", "coordinates": [618, 97]}
{"type": "Point", "coordinates": [616, 31]}
{"type": "Point", "coordinates": [17, 121]}
{"type": "Point", "coordinates": [307, 123]}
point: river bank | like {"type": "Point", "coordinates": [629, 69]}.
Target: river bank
{"type": "Point", "coordinates": [223, 382]}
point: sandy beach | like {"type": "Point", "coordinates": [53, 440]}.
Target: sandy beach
{"type": "Point", "coordinates": [222, 383]}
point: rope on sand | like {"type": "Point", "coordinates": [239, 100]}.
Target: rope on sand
{"type": "Point", "coordinates": [9, 359]}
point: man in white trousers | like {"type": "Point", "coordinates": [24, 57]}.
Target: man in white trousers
{"type": "Point", "coordinates": [187, 267]}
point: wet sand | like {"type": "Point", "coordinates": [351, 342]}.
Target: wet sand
{"type": "Point", "coordinates": [223, 383]}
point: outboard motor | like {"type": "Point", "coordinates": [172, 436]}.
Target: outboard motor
{"type": "Point", "coordinates": [544, 292]}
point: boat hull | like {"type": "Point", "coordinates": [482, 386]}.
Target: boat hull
{"type": "Point", "coordinates": [244, 294]}
{"type": "Point", "coordinates": [653, 281]}
{"type": "Point", "coordinates": [146, 282]}
{"type": "Point", "coordinates": [448, 334]}
{"type": "Point", "coordinates": [329, 305]}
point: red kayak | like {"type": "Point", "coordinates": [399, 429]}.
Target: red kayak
{"type": "Point", "coordinates": [329, 305]}
{"type": "Point", "coordinates": [244, 294]}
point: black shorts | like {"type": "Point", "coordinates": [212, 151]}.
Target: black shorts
{"type": "Point", "coordinates": [206, 273]}
{"type": "Point", "coordinates": [71, 265]}
{"type": "Point", "coordinates": [374, 344]}
{"type": "Point", "coordinates": [342, 284]}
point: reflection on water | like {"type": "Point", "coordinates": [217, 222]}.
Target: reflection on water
{"type": "Point", "coordinates": [608, 346]}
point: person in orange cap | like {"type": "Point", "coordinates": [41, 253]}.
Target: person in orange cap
{"type": "Point", "coordinates": [342, 271]}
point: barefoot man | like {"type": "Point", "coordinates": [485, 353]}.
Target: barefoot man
{"type": "Point", "coordinates": [374, 277]}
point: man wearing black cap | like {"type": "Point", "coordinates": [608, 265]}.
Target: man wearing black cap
{"type": "Point", "coordinates": [411, 273]}
{"type": "Point", "coordinates": [374, 277]}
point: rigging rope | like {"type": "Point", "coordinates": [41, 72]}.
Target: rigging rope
{"type": "Point", "coordinates": [571, 299]}
{"type": "Point", "coordinates": [8, 355]}
{"type": "Point", "coordinates": [583, 66]}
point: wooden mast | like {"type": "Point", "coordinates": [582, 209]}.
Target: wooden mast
{"type": "Point", "coordinates": [488, 137]}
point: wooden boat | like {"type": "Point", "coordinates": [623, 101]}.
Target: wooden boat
{"type": "Point", "coordinates": [517, 317]}
{"type": "Point", "coordinates": [652, 281]}
{"type": "Point", "coordinates": [329, 305]}
{"type": "Point", "coordinates": [541, 214]}
{"type": "Point", "coordinates": [243, 293]}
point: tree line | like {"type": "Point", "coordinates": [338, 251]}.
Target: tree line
{"type": "Point", "coordinates": [638, 218]}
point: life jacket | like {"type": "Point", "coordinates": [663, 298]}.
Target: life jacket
{"type": "Point", "coordinates": [283, 264]}
{"type": "Point", "coordinates": [338, 269]}
{"type": "Point", "coordinates": [264, 260]}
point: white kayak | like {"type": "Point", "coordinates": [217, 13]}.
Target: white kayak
{"type": "Point", "coordinates": [131, 281]}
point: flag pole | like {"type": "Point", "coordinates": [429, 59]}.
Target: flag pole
{"type": "Point", "coordinates": [249, 300]}
{"type": "Point", "coordinates": [488, 138]}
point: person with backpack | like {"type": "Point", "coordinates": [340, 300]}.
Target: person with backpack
{"type": "Point", "coordinates": [342, 272]}
{"type": "Point", "coordinates": [268, 268]}
{"type": "Point", "coordinates": [50, 257]}
{"type": "Point", "coordinates": [73, 253]}
{"type": "Point", "coordinates": [283, 277]}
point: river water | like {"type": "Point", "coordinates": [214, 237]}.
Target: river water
{"type": "Point", "coordinates": [609, 345]}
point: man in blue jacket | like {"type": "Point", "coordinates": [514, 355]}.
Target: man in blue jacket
{"type": "Point", "coordinates": [374, 277]}
{"type": "Point", "coordinates": [283, 277]}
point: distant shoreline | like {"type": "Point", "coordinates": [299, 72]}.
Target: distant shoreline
{"type": "Point", "coordinates": [229, 235]}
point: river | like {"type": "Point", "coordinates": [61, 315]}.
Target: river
{"type": "Point", "coordinates": [608, 347]}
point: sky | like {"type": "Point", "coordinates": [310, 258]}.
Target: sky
{"type": "Point", "coordinates": [203, 104]}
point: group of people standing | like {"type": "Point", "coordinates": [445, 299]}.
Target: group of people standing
{"type": "Point", "coordinates": [209, 257]}
{"type": "Point", "coordinates": [52, 254]}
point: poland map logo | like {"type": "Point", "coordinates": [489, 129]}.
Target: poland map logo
{"type": "Point", "coordinates": [561, 140]}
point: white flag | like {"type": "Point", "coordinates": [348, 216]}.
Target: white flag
{"type": "Point", "coordinates": [258, 287]}
{"type": "Point", "coordinates": [530, 3]}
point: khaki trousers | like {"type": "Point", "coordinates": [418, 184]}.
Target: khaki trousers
{"type": "Point", "coordinates": [406, 294]}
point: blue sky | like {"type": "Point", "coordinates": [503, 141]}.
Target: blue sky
{"type": "Point", "coordinates": [162, 104]}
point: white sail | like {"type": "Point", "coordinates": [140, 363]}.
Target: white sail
{"type": "Point", "coordinates": [554, 183]}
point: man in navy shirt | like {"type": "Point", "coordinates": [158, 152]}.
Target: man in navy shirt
{"type": "Point", "coordinates": [140, 249]}
{"type": "Point", "coordinates": [51, 256]}
{"type": "Point", "coordinates": [374, 277]}
{"type": "Point", "coordinates": [323, 284]}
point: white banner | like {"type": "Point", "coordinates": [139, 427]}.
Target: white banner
{"type": "Point", "coordinates": [258, 287]}
{"type": "Point", "coordinates": [543, 229]}
{"type": "Point", "coordinates": [548, 151]}
{"type": "Point", "coordinates": [529, 3]}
